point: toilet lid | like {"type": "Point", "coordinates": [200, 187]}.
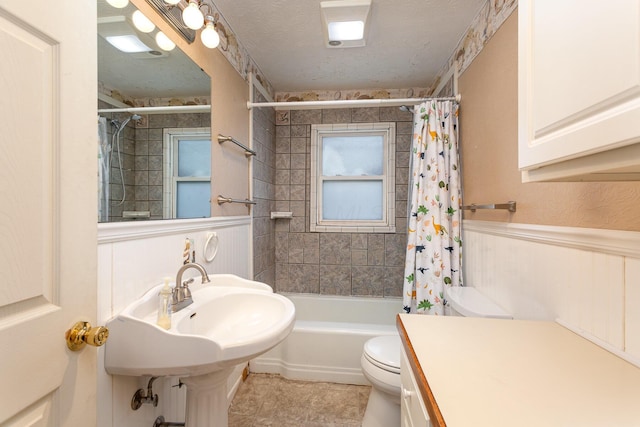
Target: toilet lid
{"type": "Point", "coordinates": [384, 352]}
{"type": "Point", "coordinates": [469, 302]}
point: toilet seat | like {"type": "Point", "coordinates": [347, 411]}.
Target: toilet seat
{"type": "Point", "coordinates": [384, 353]}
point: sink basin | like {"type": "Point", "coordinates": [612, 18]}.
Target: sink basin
{"type": "Point", "coordinates": [231, 320]}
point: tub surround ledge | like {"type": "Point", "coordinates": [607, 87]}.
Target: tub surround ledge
{"type": "Point", "coordinates": [492, 372]}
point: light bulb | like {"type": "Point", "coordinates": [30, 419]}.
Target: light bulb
{"type": "Point", "coordinates": [172, 1]}
{"type": "Point", "coordinates": [118, 3]}
{"type": "Point", "coordinates": [209, 36]}
{"type": "Point", "coordinates": [192, 16]}
{"type": "Point", "coordinates": [164, 42]}
{"type": "Point", "coordinates": [142, 23]}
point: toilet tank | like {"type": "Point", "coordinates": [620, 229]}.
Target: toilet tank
{"type": "Point", "coordinates": [469, 302]}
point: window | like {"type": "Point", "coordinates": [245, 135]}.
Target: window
{"type": "Point", "coordinates": [187, 173]}
{"type": "Point", "coordinates": [353, 178]}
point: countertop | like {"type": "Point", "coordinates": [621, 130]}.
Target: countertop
{"type": "Point", "coordinates": [492, 372]}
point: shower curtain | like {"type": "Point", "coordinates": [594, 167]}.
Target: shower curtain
{"type": "Point", "coordinates": [103, 170]}
{"type": "Point", "coordinates": [434, 245]}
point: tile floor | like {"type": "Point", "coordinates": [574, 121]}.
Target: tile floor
{"type": "Point", "coordinates": [270, 400]}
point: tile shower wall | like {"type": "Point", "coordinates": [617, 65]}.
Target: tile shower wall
{"type": "Point", "coordinates": [148, 156]}
{"type": "Point", "coordinates": [362, 264]}
{"type": "Point", "coordinates": [264, 172]}
{"type": "Point", "coordinates": [141, 151]}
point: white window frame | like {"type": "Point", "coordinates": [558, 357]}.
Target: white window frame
{"type": "Point", "coordinates": [171, 137]}
{"type": "Point", "coordinates": [388, 222]}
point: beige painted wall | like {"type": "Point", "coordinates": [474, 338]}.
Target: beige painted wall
{"type": "Point", "coordinates": [489, 145]}
{"type": "Point", "coordinates": [229, 116]}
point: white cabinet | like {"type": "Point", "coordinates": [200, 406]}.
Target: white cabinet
{"type": "Point", "coordinates": [413, 410]}
{"type": "Point", "coordinates": [579, 90]}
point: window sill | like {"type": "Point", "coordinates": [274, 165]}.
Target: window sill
{"type": "Point", "coordinates": [351, 229]}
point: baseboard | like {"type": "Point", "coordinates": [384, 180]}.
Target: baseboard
{"type": "Point", "coordinates": [239, 379]}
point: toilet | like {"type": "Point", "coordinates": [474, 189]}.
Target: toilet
{"type": "Point", "coordinates": [381, 357]}
{"type": "Point", "coordinates": [469, 302]}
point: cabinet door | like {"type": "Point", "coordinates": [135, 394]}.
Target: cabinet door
{"type": "Point", "coordinates": [579, 78]}
{"type": "Point", "coordinates": [413, 411]}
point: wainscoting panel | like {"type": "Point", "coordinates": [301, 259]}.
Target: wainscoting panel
{"type": "Point", "coordinates": [632, 308]}
{"type": "Point", "coordinates": [580, 277]}
{"type": "Point", "coordinates": [134, 257]}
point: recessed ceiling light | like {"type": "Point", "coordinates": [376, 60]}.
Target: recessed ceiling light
{"type": "Point", "coordinates": [121, 33]}
{"type": "Point", "coordinates": [128, 43]}
{"type": "Point", "coordinates": [345, 31]}
{"type": "Point", "coordinates": [345, 21]}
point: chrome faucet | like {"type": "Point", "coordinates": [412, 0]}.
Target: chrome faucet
{"type": "Point", "coordinates": [181, 295]}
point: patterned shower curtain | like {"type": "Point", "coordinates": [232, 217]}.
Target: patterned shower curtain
{"type": "Point", "coordinates": [434, 245]}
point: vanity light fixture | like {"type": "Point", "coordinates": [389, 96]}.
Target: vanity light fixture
{"type": "Point", "coordinates": [164, 42]}
{"type": "Point", "coordinates": [142, 23]}
{"type": "Point", "coordinates": [192, 16]}
{"type": "Point", "coordinates": [186, 23]}
{"type": "Point", "coordinates": [209, 36]}
{"type": "Point", "coordinates": [118, 3]}
{"type": "Point", "coordinates": [344, 22]}
{"type": "Point", "coordinates": [191, 19]}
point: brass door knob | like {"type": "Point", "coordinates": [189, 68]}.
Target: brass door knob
{"type": "Point", "coordinates": [82, 333]}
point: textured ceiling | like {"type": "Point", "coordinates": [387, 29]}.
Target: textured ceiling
{"type": "Point", "coordinates": [407, 44]}
{"type": "Point", "coordinates": [173, 75]}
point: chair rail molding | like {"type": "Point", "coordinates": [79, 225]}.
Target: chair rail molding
{"type": "Point", "coordinates": [614, 242]}
{"type": "Point", "coordinates": [123, 231]}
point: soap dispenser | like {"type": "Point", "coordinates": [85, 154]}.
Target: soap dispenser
{"type": "Point", "coordinates": [164, 305]}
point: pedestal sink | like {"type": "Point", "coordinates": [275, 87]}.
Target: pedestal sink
{"type": "Point", "coordinates": [231, 320]}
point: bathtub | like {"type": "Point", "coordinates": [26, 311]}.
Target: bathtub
{"type": "Point", "coordinates": [328, 336]}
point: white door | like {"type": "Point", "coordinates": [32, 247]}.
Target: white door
{"type": "Point", "coordinates": [48, 229]}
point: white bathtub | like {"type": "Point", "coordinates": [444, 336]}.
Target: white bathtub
{"type": "Point", "coordinates": [328, 336]}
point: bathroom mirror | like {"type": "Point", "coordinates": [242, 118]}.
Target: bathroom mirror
{"type": "Point", "coordinates": [151, 166]}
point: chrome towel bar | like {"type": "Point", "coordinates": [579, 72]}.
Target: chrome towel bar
{"type": "Point", "coordinates": [510, 206]}
{"type": "Point", "coordinates": [222, 199]}
{"type": "Point", "coordinates": [247, 151]}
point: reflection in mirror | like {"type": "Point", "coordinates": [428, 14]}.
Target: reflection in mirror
{"type": "Point", "coordinates": [187, 172]}
{"type": "Point", "coordinates": [146, 168]}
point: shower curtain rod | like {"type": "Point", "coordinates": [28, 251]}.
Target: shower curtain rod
{"type": "Point", "coordinates": [309, 105]}
{"type": "Point", "coordinates": [159, 110]}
